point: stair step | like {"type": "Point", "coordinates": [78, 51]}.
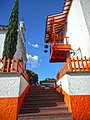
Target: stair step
{"type": "Point", "coordinates": [44, 103]}
{"type": "Point", "coordinates": [43, 92]}
{"type": "Point", "coordinates": [43, 111]}
{"type": "Point", "coordinates": [41, 86]}
{"type": "Point", "coordinates": [26, 118]}
{"type": "Point", "coordinates": [43, 95]}
{"type": "Point", "coordinates": [47, 115]}
{"type": "Point", "coordinates": [46, 108]}
{"type": "Point", "coordinates": [43, 99]}
{"type": "Point", "coordinates": [35, 110]}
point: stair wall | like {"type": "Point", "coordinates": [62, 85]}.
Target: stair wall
{"type": "Point", "coordinates": [13, 88]}
{"type": "Point", "coordinates": [75, 86]}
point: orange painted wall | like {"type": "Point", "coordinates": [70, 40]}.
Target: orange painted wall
{"type": "Point", "coordinates": [8, 108]}
{"type": "Point", "coordinates": [79, 105]}
{"type": "Point", "coordinates": [21, 98]}
{"type": "Point", "coordinates": [66, 97]}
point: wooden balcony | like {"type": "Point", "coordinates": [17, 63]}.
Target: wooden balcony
{"type": "Point", "coordinates": [59, 49]}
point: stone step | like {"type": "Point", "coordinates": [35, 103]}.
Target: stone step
{"type": "Point", "coordinates": [58, 111]}
{"type": "Point", "coordinates": [47, 115]}
{"type": "Point", "coordinates": [48, 109]}
{"type": "Point", "coordinates": [43, 95]}
{"type": "Point", "coordinates": [43, 104]}
{"type": "Point", "coordinates": [41, 88]}
{"type": "Point", "coordinates": [28, 99]}
{"type": "Point", "coordinates": [27, 118]}
{"type": "Point", "coordinates": [43, 91]}
{"type": "Point", "coordinates": [43, 101]}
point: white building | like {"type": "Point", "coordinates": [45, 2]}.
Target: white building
{"type": "Point", "coordinates": [78, 26]}
{"type": "Point", "coordinates": [21, 49]}
{"type": "Point", "coordinates": [74, 84]}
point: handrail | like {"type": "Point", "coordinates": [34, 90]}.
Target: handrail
{"type": "Point", "coordinates": [12, 65]}
{"type": "Point", "coordinates": [60, 40]}
{"type": "Point", "coordinates": [73, 65]}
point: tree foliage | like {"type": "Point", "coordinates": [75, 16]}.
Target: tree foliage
{"type": "Point", "coordinates": [33, 77]}
{"type": "Point", "coordinates": [12, 33]}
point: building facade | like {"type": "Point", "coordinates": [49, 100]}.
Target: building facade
{"type": "Point", "coordinates": [20, 48]}
{"type": "Point", "coordinates": [78, 27]}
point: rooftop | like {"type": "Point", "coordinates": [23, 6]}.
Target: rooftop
{"type": "Point", "coordinates": [3, 27]}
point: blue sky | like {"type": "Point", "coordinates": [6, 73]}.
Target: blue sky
{"type": "Point", "coordinates": [34, 13]}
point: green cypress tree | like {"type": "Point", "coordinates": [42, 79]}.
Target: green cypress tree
{"type": "Point", "coordinates": [12, 33]}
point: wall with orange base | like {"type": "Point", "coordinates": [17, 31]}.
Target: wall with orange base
{"type": "Point", "coordinates": [78, 105]}
{"type": "Point", "coordinates": [12, 92]}
{"type": "Point", "coordinates": [9, 107]}
{"type": "Point", "coordinates": [66, 98]}
{"type": "Point", "coordinates": [21, 98]}
{"type": "Point", "coordinates": [77, 98]}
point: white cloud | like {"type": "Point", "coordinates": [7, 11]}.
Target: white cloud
{"type": "Point", "coordinates": [33, 45]}
{"type": "Point", "coordinates": [28, 43]}
{"type": "Point", "coordinates": [33, 61]}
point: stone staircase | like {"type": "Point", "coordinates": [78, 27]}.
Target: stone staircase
{"type": "Point", "coordinates": [43, 103]}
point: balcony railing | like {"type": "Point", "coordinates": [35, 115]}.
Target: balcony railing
{"type": "Point", "coordinates": [12, 65]}
{"type": "Point", "coordinates": [73, 66]}
{"type": "Point", "coordinates": [60, 40]}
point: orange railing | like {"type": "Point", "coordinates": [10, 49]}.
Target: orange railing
{"type": "Point", "coordinates": [60, 40]}
{"type": "Point", "coordinates": [73, 66]}
{"type": "Point", "coordinates": [12, 65]}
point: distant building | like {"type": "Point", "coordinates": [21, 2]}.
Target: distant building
{"type": "Point", "coordinates": [21, 49]}
{"type": "Point", "coordinates": [48, 81]}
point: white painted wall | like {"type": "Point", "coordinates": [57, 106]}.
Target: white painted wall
{"type": "Point", "coordinates": [12, 84]}
{"type": "Point", "coordinates": [77, 30]}
{"type": "Point", "coordinates": [86, 10]}
{"type": "Point", "coordinates": [63, 83]}
{"type": "Point", "coordinates": [75, 83]}
{"type": "Point", "coordinates": [2, 38]}
{"type": "Point", "coordinates": [23, 84]}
